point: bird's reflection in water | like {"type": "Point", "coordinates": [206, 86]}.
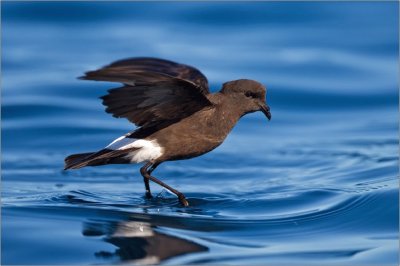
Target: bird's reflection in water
{"type": "Point", "coordinates": [138, 242]}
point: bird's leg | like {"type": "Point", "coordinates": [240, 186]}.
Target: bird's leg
{"type": "Point", "coordinates": [152, 168]}
{"type": "Point", "coordinates": [146, 175]}
{"type": "Point", "coordinates": [144, 172]}
{"type": "Point", "coordinates": [180, 195]}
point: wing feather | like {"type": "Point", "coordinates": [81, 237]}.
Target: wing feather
{"type": "Point", "coordinates": [156, 92]}
{"type": "Point", "coordinates": [149, 69]}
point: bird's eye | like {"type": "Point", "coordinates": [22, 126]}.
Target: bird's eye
{"type": "Point", "coordinates": [251, 95]}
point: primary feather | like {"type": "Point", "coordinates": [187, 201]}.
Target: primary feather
{"type": "Point", "coordinates": [156, 93]}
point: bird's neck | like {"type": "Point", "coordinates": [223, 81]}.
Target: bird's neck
{"type": "Point", "coordinates": [229, 105]}
{"type": "Point", "coordinates": [226, 114]}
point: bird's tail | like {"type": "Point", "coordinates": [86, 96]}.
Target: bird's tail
{"type": "Point", "coordinates": [105, 156]}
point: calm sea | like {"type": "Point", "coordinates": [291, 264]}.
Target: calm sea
{"type": "Point", "coordinates": [318, 185]}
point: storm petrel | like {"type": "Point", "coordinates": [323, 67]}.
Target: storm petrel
{"type": "Point", "coordinates": [176, 115]}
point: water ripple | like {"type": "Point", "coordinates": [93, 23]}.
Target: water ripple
{"type": "Point", "coordinates": [316, 185]}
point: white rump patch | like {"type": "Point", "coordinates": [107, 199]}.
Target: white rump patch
{"type": "Point", "coordinates": [121, 143]}
{"type": "Point", "coordinates": [147, 150]}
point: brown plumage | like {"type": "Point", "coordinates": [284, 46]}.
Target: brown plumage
{"type": "Point", "coordinates": [176, 115]}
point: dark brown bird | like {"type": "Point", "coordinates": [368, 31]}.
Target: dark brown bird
{"type": "Point", "coordinates": [176, 115]}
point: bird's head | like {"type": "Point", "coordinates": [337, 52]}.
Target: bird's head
{"type": "Point", "coordinates": [250, 94]}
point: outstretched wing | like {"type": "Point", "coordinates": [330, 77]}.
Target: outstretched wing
{"type": "Point", "coordinates": [120, 71]}
{"type": "Point", "coordinates": [156, 93]}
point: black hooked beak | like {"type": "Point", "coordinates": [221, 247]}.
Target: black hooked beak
{"type": "Point", "coordinates": [265, 109]}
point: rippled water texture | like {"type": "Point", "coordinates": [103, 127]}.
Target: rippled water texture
{"type": "Point", "coordinates": [318, 185]}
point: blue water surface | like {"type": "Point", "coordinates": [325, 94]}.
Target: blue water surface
{"type": "Point", "coordinates": [318, 185]}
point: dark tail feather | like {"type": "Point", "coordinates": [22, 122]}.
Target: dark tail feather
{"type": "Point", "coordinates": [76, 161]}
